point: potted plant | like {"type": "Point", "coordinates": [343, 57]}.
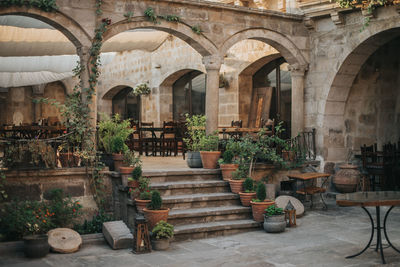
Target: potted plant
{"type": "Point", "coordinates": [133, 181]}
{"type": "Point", "coordinates": [141, 194]}
{"type": "Point", "coordinates": [154, 212]}
{"type": "Point", "coordinates": [129, 162]}
{"type": "Point", "coordinates": [162, 233]}
{"type": "Point", "coordinates": [259, 204]}
{"type": "Point", "coordinates": [113, 132]}
{"type": "Point", "coordinates": [209, 152]}
{"type": "Point", "coordinates": [236, 183]}
{"type": "Point", "coordinates": [196, 130]}
{"type": "Point", "coordinates": [143, 200]}
{"type": "Point", "coordinates": [249, 193]}
{"type": "Point", "coordinates": [118, 148]}
{"type": "Point", "coordinates": [227, 166]}
{"type": "Point", "coordinates": [274, 219]}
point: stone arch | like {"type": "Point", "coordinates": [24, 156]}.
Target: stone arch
{"type": "Point", "coordinates": [349, 65]}
{"type": "Point", "coordinates": [280, 42]}
{"type": "Point", "coordinates": [60, 21]}
{"type": "Point", "coordinates": [245, 84]}
{"type": "Point", "coordinates": [199, 42]}
{"type": "Point", "coordinates": [106, 97]}
{"type": "Point", "coordinates": [166, 93]}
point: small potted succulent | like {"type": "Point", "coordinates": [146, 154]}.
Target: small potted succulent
{"type": "Point", "coordinates": [259, 204]}
{"type": "Point", "coordinates": [162, 233]}
{"type": "Point", "coordinates": [209, 152]}
{"type": "Point", "coordinates": [129, 162]}
{"type": "Point", "coordinates": [154, 211]}
{"type": "Point", "coordinates": [227, 166]}
{"type": "Point", "coordinates": [274, 220]}
{"type": "Point", "coordinates": [236, 183]}
{"type": "Point", "coordinates": [248, 194]}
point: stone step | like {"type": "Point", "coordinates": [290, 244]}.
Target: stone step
{"type": "Point", "coordinates": [209, 214]}
{"type": "Point", "coordinates": [213, 229]}
{"type": "Point", "coordinates": [183, 175]}
{"type": "Point", "coordinates": [200, 200]}
{"type": "Point", "coordinates": [191, 187]}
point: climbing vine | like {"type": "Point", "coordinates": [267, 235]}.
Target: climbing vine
{"type": "Point", "coordinates": [45, 5]}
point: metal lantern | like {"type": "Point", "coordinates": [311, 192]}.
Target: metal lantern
{"type": "Point", "coordinates": [290, 214]}
{"type": "Point", "coordinates": [141, 238]}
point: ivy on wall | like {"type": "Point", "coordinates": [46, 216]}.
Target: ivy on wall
{"type": "Point", "coordinates": [45, 5]}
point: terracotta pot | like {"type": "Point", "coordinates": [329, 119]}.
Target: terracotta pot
{"type": "Point", "coordinates": [36, 246]}
{"type": "Point", "coordinates": [125, 170]}
{"type": "Point", "coordinates": [141, 204]}
{"type": "Point", "coordinates": [118, 160]}
{"type": "Point", "coordinates": [210, 159]}
{"type": "Point", "coordinates": [245, 198]}
{"type": "Point", "coordinates": [258, 209]}
{"type": "Point", "coordinates": [154, 216]}
{"type": "Point", "coordinates": [236, 185]}
{"type": "Point", "coordinates": [69, 160]}
{"type": "Point", "coordinates": [347, 178]}
{"type": "Point", "coordinates": [227, 170]}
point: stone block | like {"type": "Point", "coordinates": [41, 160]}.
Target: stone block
{"type": "Point", "coordinates": [117, 235]}
{"type": "Point", "coordinates": [71, 189]}
{"type": "Point", "coordinates": [23, 192]}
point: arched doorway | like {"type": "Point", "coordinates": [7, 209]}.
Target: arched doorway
{"type": "Point", "coordinates": [189, 95]}
{"type": "Point", "coordinates": [126, 104]}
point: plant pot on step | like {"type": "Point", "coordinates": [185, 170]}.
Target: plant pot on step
{"type": "Point", "coordinates": [347, 178]}
{"type": "Point", "coordinates": [210, 159]}
{"type": "Point", "coordinates": [194, 159]}
{"type": "Point", "coordinates": [274, 223]}
{"type": "Point", "coordinates": [154, 216]}
{"type": "Point", "coordinates": [160, 244]}
{"type": "Point", "coordinates": [227, 170]}
{"type": "Point", "coordinates": [245, 198]}
{"type": "Point", "coordinates": [141, 204]}
{"type": "Point", "coordinates": [236, 185]}
{"type": "Point", "coordinates": [118, 161]}
{"type": "Point", "coordinates": [258, 209]}
{"type": "Point", "coordinates": [126, 170]}
{"type": "Point", "coordinates": [36, 246]}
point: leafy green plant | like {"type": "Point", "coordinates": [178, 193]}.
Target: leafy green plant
{"type": "Point", "coordinates": [145, 195]}
{"type": "Point", "coordinates": [128, 15]}
{"type": "Point", "coordinates": [45, 5]}
{"type": "Point", "coordinates": [141, 89]}
{"type": "Point", "coordinates": [227, 157]}
{"type": "Point", "coordinates": [196, 126]}
{"type": "Point", "coordinates": [197, 30]}
{"type": "Point", "coordinates": [118, 145]}
{"type": "Point", "coordinates": [137, 173]}
{"type": "Point", "coordinates": [163, 230]}
{"type": "Point", "coordinates": [156, 200]}
{"type": "Point", "coordinates": [260, 192]}
{"type": "Point", "coordinates": [209, 143]}
{"type": "Point", "coordinates": [113, 130]}
{"type": "Point", "coordinates": [241, 173]}
{"type": "Point", "coordinates": [130, 159]}
{"type": "Point", "coordinates": [248, 185]}
{"type": "Point", "coordinates": [95, 225]}
{"type": "Point", "coordinates": [273, 210]}
{"type": "Point", "coordinates": [151, 16]}
{"type": "Point", "coordinates": [172, 18]}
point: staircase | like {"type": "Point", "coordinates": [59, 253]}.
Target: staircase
{"type": "Point", "coordinates": [201, 204]}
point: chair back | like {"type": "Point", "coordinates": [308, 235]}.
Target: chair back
{"type": "Point", "coordinates": [169, 129]}
{"type": "Point", "coordinates": [238, 124]}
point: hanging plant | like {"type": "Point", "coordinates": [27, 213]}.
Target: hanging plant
{"type": "Point", "coordinates": [141, 89]}
{"type": "Point", "coordinates": [223, 81]}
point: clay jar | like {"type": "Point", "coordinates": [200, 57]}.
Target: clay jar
{"type": "Point", "coordinates": [347, 178]}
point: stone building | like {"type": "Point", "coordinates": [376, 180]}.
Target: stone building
{"type": "Point", "coordinates": [313, 64]}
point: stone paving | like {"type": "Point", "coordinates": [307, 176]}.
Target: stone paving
{"type": "Point", "coordinates": [322, 238]}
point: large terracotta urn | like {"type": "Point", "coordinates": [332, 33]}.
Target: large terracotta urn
{"type": "Point", "coordinates": [347, 178]}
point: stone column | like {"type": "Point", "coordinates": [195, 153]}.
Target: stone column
{"type": "Point", "coordinates": [84, 55]}
{"type": "Point", "coordinates": [297, 73]}
{"type": "Point", "coordinates": [212, 65]}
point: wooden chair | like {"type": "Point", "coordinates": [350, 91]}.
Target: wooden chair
{"type": "Point", "coordinates": [135, 139]}
{"type": "Point", "coordinates": [373, 163]}
{"type": "Point", "coordinates": [148, 139]}
{"type": "Point", "coordinates": [181, 133]}
{"type": "Point", "coordinates": [168, 138]}
{"type": "Point", "coordinates": [237, 124]}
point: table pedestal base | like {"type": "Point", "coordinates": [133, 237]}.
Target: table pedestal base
{"type": "Point", "coordinates": [378, 228]}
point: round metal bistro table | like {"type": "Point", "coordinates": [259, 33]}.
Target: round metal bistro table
{"type": "Point", "coordinates": [373, 199]}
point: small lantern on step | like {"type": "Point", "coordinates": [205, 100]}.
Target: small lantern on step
{"type": "Point", "coordinates": [141, 238]}
{"type": "Point", "coordinates": [290, 214]}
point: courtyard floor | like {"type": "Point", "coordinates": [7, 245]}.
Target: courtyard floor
{"type": "Point", "coordinates": [322, 238]}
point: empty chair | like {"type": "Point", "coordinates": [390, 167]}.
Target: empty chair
{"type": "Point", "coordinates": [168, 138]}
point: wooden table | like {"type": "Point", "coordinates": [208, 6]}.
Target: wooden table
{"type": "Point", "coordinates": [313, 189]}
{"type": "Point", "coordinates": [373, 199]}
{"type": "Point", "coordinates": [31, 131]}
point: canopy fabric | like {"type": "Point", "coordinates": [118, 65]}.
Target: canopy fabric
{"type": "Point", "coordinates": [16, 41]}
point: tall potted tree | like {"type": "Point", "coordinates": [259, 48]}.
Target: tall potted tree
{"type": "Point", "coordinates": [259, 204]}
{"type": "Point", "coordinates": [209, 152]}
{"type": "Point", "coordinates": [196, 130]}
{"type": "Point", "coordinates": [154, 212]}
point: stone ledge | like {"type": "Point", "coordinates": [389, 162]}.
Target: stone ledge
{"type": "Point", "coordinates": [188, 184]}
{"type": "Point", "coordinates": [199, 197]}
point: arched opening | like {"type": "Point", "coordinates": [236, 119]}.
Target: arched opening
{"type": "Point", "coordinates": [363, 105]}
{"type": "Point", "coordinates": [189, 95]}
{"type": "Point", "coordinates": [126, 104]}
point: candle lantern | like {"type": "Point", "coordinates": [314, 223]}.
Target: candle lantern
{"type": "Point", "coordinates": [141, 238]}
{"type": "Point", "coordinates": [290, 214]}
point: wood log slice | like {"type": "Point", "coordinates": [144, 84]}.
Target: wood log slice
{"type": "Point", "coordinates": [64, 240]}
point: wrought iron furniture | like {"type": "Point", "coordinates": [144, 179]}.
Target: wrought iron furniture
{"type": "Point", "coordinates": [373, 199]}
